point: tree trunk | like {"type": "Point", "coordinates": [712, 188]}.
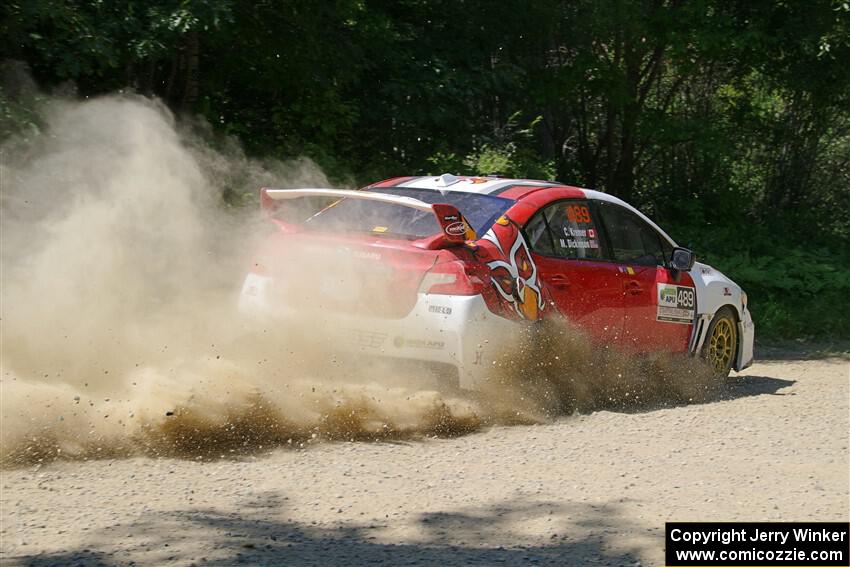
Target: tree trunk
{"type": "Point", "coordinates": [190, 90]}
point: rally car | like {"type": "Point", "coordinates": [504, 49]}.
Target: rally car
{"type": "Point", "coordinates": [440, 269]}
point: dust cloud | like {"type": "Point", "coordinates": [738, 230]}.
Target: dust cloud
{"type": "Point", "coordinates": [121, 267]}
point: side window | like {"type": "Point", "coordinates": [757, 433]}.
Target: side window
{"type": "Point", "coordinates": [574, 231]}
{"type": "Point", "coordinates": [537, 234]}
{"type": "Point", "coordinates": [633, 241]}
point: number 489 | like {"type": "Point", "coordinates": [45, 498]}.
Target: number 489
{"type": "Point", "coordinates": [578, 213]}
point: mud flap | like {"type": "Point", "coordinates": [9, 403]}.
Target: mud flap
{"type": "Point", "coordinates": [746, 340]}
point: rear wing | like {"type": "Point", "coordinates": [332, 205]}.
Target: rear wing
{"type": "Point", "coordinates": [454, 226]}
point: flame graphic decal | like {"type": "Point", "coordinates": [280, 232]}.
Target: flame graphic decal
{"type": "Point", "coordinates": [514, 275]}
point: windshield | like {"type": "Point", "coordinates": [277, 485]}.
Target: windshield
{"type": "Point", "coordinates": [353, 215]}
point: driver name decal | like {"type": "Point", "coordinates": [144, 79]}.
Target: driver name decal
{"type": "Point", "coordinates": [676, 303]}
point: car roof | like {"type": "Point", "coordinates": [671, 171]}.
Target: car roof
{"type": "Point", "coordinates": [483, 185]}
{"type": "Point", "coordinates": [494, 185]}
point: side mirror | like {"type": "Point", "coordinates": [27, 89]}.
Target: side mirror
{"type": "Point", "coordinates": [682, 259]}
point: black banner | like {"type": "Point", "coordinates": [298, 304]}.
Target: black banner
{"type": "Point", "coordinates": [762, 544]}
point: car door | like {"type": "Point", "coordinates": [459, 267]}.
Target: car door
{"type": "Point", "coordinates": [570, 255]}
{"type": "Point", "coordinates": [659, 305]}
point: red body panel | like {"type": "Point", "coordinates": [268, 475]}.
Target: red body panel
{"type": "Point", "coordinates": [588, 293]}
{"type": "Point", "coordinates": [532, 201]}
{"type": "Point", "coordinates": [392, 182]}
{"type": "Point", "coordinates": [643, 331]}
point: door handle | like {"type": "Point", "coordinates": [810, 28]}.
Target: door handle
{"type": "Point", "coordinates": [559, 281]}
{"type": "Point", "coordinates": [633, 287]}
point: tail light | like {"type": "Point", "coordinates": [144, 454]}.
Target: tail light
{"type": "Point", "coordinates": [267, 204]}
{"type": "Point", "coordinates": [452, 278]}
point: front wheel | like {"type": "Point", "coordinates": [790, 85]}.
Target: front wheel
{"type": "Point", "coordinates": [721, 342]}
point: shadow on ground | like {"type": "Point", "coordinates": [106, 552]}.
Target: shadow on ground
{"type": "Point", "coordinates": [789, 350]}
{"type": "Point", "coordinates": [581, 534]}
{"type": "Point", "coordinates": [746, 386]}
{"type": "Point", "coordinates": [737, 387]}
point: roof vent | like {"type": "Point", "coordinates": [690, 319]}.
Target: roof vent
{"type": "Point", "coordinates": [446, 179]}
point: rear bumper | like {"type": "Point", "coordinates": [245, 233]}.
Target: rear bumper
{"type": "Point", "coordinates": [447, 329]}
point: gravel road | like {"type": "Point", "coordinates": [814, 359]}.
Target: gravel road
{"type": "Point", "coordinates": [584, 490]}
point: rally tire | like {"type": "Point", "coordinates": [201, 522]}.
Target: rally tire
{"type": "Point", "coordinates": [721, 342]}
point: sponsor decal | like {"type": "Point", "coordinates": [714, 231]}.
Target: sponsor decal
{"type": "Point", "coordinates": [676, 303]}
{"type": "Point", "coordinates": [440, 309]}
{"type": "Point", "coordinates": [591, 233]}
{"type": "Point", "coordinates": [477, 180]}
{"type": "Point", "coordinates": [380, 229]}
{"type": "Point", "coordinates": [359, 254]}
{"type": "Point", "coordinates": [402, 342]}
{"type": "Point", "coordinates": [667, 296]}
{"type": "Point", "coordinates": [450, 218]}
{"type": "Point", "coordinates": [626, 270]}
{"type": "Point", "coordinates": [727, 292]}
{"type": "Point", "coordinates": [365, 338]}
{"type": "Point", "coordinates": [570, 243]}
{"type": "Point", "coordinates": [456, 229]}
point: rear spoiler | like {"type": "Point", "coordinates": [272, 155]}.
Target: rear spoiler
{"type": "Point", "coordinates": [455, 228]}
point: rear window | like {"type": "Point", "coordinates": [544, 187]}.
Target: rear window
{"type": "Point", "coordinates": [353, 215]}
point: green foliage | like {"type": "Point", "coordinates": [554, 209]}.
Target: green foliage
{"type": "Point", "coordinates": [510, 161]}
{"type": "Point", "coordinates": [445, 162]}
{"type": "Point", "coordinates": [17, 117]}
{"type": "Point", "coordinates": [96, 43]}
{"type": "Point", "coordinates": [509, 151]}
{"type": "Point", "coordinates": [800, 293]}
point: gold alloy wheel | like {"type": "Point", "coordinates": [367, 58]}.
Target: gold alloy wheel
{"type": "Point", "coordinates": [721, 344]}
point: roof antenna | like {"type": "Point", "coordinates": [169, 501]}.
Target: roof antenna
{"type": "Point", "coordinates": [447, 179]}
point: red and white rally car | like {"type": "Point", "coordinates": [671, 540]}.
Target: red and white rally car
{"type": "Point", "coordinates": [446, 265]}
